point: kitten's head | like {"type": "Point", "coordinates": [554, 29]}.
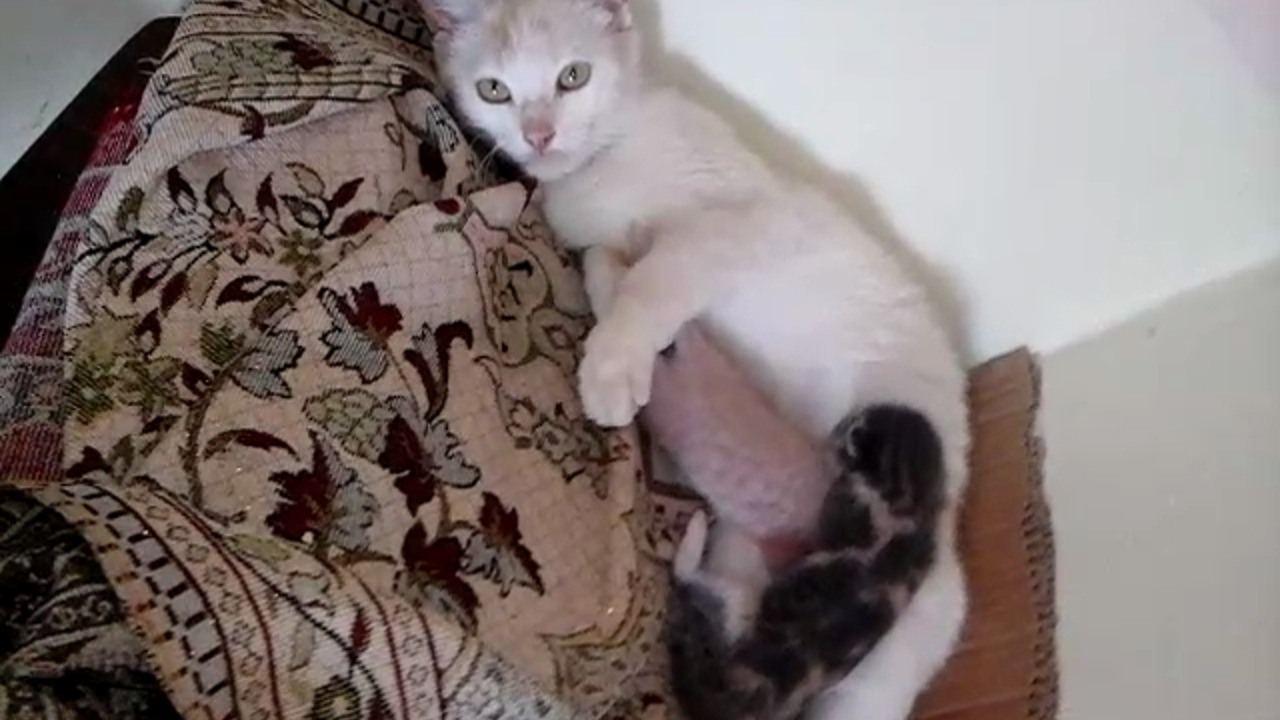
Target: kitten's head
{"type": "Point", "coordinates": [544, 79]}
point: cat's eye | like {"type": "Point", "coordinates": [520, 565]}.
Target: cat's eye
{"type": "Point", "coordinates": [574, 75]}
{"type": "Point", "coordinates": [492, 90]}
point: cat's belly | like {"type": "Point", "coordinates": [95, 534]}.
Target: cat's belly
{"type": "Point", "coordinates": [820, 345]}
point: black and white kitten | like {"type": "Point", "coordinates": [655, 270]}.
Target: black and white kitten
{"type": "Point", "coordinates": [747, 646]}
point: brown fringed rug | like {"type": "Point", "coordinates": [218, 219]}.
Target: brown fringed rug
{"type": "Point", "coordinates": [1006, 665]}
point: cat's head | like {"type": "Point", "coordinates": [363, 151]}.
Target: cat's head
{"type": "Point", "coordinates": [546, 80]}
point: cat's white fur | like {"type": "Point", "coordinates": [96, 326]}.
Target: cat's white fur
{"type": "Point", "coordinates": [818, 313]}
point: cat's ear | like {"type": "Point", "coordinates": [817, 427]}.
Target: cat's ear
{"type": "Point", "coordinates": [446, 15]}
{"type": "Point", "coordinates": [620, 11]}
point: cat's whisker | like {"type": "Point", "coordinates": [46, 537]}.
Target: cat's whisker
{"type": "Point", "coordinates": [484, 161]}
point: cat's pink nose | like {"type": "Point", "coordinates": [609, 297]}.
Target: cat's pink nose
{"type": "Point", "coordinates": [539, 137]}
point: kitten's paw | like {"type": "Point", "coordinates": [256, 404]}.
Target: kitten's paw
{"type": "Point", "coordinates": [616, 374]}
{"type": "Point", "coordinates": [688, 557]}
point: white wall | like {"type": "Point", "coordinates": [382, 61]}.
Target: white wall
{"type": "Point", "coordinates": [1068, 162]}
{"type": "Point", "coordinates": [1254, 26]}
{"type": "Point", "coordinates": [1162, 460]}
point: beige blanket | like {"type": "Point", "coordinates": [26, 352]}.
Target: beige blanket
{"type": "Point", "coordinates": [323, 434]}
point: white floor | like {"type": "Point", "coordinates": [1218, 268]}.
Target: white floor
{"type": "Point", "coordinates": [49, 49]}
{"type": "Point", "coordinates": [1163, 440]}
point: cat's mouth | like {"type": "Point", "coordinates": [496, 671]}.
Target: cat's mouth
{"type": "Point", "coordinates": [549, 164]}
{"type": "Point", "coordinates": [550, 151]}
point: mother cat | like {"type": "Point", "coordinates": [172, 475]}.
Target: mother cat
{"type": "Point", "coordinates": [680, 221]}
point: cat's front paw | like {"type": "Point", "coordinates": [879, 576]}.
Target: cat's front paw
{"type": "Point", "coordinates": [616, 374]}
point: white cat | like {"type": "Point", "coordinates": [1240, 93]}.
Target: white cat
{"type": "Point", "coordinates": [818, 313]}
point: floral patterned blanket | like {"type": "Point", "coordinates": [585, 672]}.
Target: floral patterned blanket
{"type": "Point", "coordinates": [320, 429]}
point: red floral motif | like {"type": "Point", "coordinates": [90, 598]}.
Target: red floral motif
{"type": "Point", "coordinates": [432, 575]}
{"type": "Point", "coordinates": [498, 553]}
{"type": "Point", "coordinates": [423, 464]}
{"type": "Point", "coordinates": [306, 54]}
{"type": "Point", "coordinates": [370, 314]}
{"type": "Point", "coordinates": [324, 505]}
{"type": "Point", "coordinates": [239, 235]}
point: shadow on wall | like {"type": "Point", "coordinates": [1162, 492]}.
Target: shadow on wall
{"type": "Point", "coordinates": [791, 156]}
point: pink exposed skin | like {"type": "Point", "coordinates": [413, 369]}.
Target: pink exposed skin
{"type": "Point", "coordinates": [755, 468]}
